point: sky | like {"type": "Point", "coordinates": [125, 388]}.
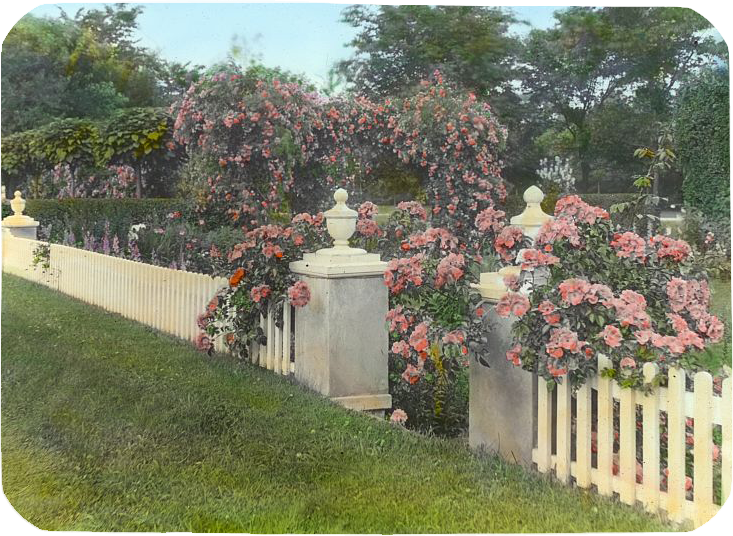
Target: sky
{"type": "Point", "coordinates": [303, 38]}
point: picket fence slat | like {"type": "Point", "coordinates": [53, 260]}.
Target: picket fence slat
{"type": "Point", "coordinates": [676, 444]}
{"type": "Point", "coordinates": [650, 454]}
{"type": "Point", "coordinates": [703, 448]}
{"type": "Point", "coordinates": [727, 447]}
{"type": "Point", "coordinates": [617, 468]}
{"type": "Point", "coordinates": [627, 447]}
{"type": "Point", "coordinates": [583, 434]}
{"type": "Point", "coordinates": [564, 399]}
{"type": "Point", "coordinates": [544, 426]}
{"type": "Point", "coordinates": [604, 431]}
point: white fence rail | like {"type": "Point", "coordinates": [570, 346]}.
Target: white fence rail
{"type": "Point", "coordinates": [575, 453]}
{"type": "Point", "coordinates": [165, 299]}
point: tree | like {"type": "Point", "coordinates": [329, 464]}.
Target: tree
{"type": "Point", "coordinates": [397, 46]}
{"type": "Point", "coordinates": [595, 57]}
{"type": "Point", "coordinates": [85, 66]}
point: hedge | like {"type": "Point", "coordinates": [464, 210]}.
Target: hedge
{"type": "Point", "coordinates": [702, 132]}
{"type": "Point", "coordinates": [83, 214]}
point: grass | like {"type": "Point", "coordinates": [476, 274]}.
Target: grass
{"type": "Point", "coordinates": [110, 426]}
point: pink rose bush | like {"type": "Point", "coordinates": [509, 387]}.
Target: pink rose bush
{"type": "Point", "coordinates": [595, 290]}
{"type": "Point", "coordinates": [432, 317]}
{"type": "Point", "coordinates": [259, 278]}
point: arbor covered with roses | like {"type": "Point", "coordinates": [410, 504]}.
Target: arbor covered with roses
{"type": "Point", "coordinates": [277, 147]}
{"type": "Point", "coordinates": [599, 290]}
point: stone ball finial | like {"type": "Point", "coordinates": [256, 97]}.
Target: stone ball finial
{"type": "Point", "coordinates": [18, 204]}
{"type": "Point", "coordinates": [533, 195]}
{"type": "Point", "coordinates": [341, 196]}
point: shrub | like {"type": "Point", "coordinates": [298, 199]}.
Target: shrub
{"type": "Point", "coordinates": [596, 290]}
{"type": "Point", "coordinates": [702, 131]}
{"type": "Point", "coordinates": [80, 216]}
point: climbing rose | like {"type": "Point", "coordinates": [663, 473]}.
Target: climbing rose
{"type": "Point", "coordinates": [513, 355]}
{"type": "Point", "coordinates": [299, 294]}
{"type": "Point", "coordinates": [512, 303]}
{"type": "Point", "coordinates": [418, 339]}
{"type": "Point", "coordinates": [260, 292]}
{"type": "Point", "coordinates": [612, 336]}
{"type": "Point", "coordinates": [398, 416]}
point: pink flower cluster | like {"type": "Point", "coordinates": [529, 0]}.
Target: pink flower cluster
{"type": "Point", "coordinates": [629, 245]}
{"type": "Point", "coordinates": [299, 294]}
{"type": "Point", "coordinates": [535, 258]}
{"type": "Point", "coordinates": [259, 292]}
{"type": "Point", "coordinates": [549, 312]}
{"type": "Point", "coordinates": [418, 338]}
{"type": "Point", "coordinates": [490, 219]}
{"type": "Point", "coordinates": [558, 228]}
{"type": "Point", "coordinates": [433, 235]}
{"type": "Point", "coordinates": [563, 340]}
{"type": "Point", "coordinates": [667, 247]}
{"type": "Point", "coordinates": [630, 308]}
{"type": "Point", "coordinates": [508, 239]}
{"type": "Point", "coordinates": [513, 355]}
{"type": "Point", "coordinates": [401, 272]}
{"type": "Point", "coordinates": [512, 303]}
{"type": "Point", "coordinates": [398, 416]}
{"type": "Point", "coordinates": [574, 207]}
{"type": "Point", "coordinates": [693, 297]}
{"type": "Point", "coordinates": [368, 228]}
{"type": "Point", "coordinates": [450, 269]}
{"type": "Point", "coordinates": [414, 208]}
{"type": "Point", "coordinates": [398, 321]}
{"type": "Point", "coordinates": [574, 291]}
{"type": "Point", "coordinates": [367, 210]}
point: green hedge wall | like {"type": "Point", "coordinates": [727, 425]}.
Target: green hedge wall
{"type": "Point", "coordinates": [702, 132]}
{"type": "Point", "coordinates": [81, 215]}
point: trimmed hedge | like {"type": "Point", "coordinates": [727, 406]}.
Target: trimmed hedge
{"type": "Point", "coordinates": [81, 215]}
{"type": "Point", "coordinates": [702, 132]}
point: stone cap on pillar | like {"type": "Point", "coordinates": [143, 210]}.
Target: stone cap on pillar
{"type": "Point", "coordinates": [341, 260]}
{"type": "Point", "coordinates": [533, 217]}
{"type": "Point", "coordinates": [491, 284]}
{"type": "Point", "coordinates": [18, 219]}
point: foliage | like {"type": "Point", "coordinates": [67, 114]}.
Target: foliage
{"type": "Point", "coordinates": [85, 66]}
{"type": "Point", "coordinates": [260, 279]}
{"type": "Point", "coordinates": [281, 149]}
{"type": "Point", "coordinates": [79, 216]}
{"type": "Point", "coordinates": [710, 239]}
{"type": "Point", "coordinates": [435, 320]}
{"type": "Point", "coordinates": [77, 158]}
{"type": "Point", "coordinates": [602, 59]}
{"type": "Point", "coordinates": [599, 291]}
{"type": "Point", "coordinates": [702, 132]}
{"type": "Point", "coordinates": [397, 46]}
{"type": "Point", "coordinates": [142, 138]}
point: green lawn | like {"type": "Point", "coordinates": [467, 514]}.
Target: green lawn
{"type": "Point", "coordinates": [110, 426]}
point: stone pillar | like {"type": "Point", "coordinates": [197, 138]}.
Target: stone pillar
{"type": "Point", "coordinates": [341, 336]}
{"type": "Point", "coordinates": [502, 415]}
{"type": "Point", "coordinates": [502, 397]}
{"type": "Point", "coordinates": [18, 224]}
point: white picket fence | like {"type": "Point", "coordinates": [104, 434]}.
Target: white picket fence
{"type": "Point", "coordinates": [165, 299]}
{"type": "Point", "coordinates": [572, 454]}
